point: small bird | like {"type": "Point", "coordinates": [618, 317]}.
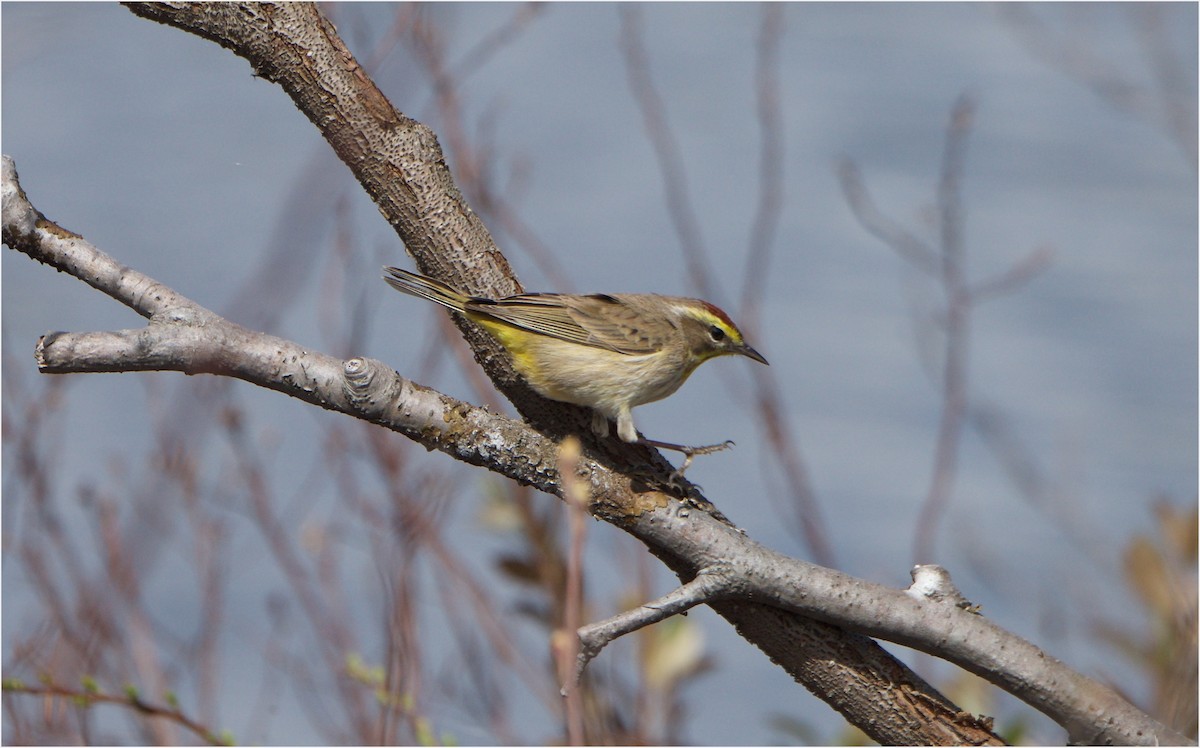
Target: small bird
{"type": "Point", "coordinates": [609, 352]}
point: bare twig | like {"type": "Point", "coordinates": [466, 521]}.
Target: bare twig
{"type": "Point", "coordinates": [666, 150]}
{"type": "Point", "coordinates": [917, 251]}
{"type": "Point", "coordinates": [801, 503]}
{"type": "Point", "coordinates": [88, 696]}
{"type": "Point", "coordinates": [960, 297]}
{"type": "Point", "coordinates": [1169, 102]}
{"type": "Point", "coordinates": [473, 164]}
{"type": "Point", "coordinates": [371, 392]}
{"type": "Point", "coordinates": [567, 645]}
{"type": "Point", "coordinates": [709, 585]}
{"type": "Point", "coordinates": [480, 610]}
{"type": "Point", "coordinates": [803, 508]}
{"type": "Point", "coordinates": [957, 326]}
{"type": "Point", "coordinates": [1021, 272]}
{"type": "Point", "coordinates": [765, 224]}
{"type": "Point", "coordinates": [778, 599]}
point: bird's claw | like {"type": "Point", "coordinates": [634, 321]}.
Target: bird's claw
{"type": "Point", "coordinates": [689, 454]}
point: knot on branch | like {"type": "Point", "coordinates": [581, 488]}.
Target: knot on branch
{"type": "Point", "coordinates": [361, 380]}
{"type": "Point", "coordinates": [933, 582]}
{"type": "Point", "coordinates": [176, 315]}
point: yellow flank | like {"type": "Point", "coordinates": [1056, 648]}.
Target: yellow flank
{"type": "Point", "coordinates": [515, 340]}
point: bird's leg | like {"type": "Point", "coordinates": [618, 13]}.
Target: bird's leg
{"type": "Point", "coordinates": [599, 424]}
{"type": "Point", "coordinates": [687, 452]}
{"type": "Point", "coordinates": [628, 434]}
{"type": "Point", "coordinates": [690, 452]}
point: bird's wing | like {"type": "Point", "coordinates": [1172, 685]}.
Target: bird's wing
{"type": "Point", "coordinates": [619, 322]}
{"type": "Point", "coordinates": [599, 321]}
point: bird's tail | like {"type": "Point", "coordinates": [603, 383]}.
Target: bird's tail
{"type": "Point", "coordinates": [425, 288]}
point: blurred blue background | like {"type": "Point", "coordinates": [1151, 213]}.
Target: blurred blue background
{"type": "Point", "coordinates": [166, 152]}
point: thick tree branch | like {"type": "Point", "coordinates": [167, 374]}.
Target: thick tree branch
{"type": "Point", "coordinates": [778, 603]}
{"type": "Point", "coordinates": [775, 601]}
{"type": "Point", "coordinates": [184, 336]}
{"type": "Point", "coordinates": [396, 159]}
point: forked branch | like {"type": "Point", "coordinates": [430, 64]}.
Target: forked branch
{"type": "Point", "coordinates": [812, 621]}
{"type": "Point", "coordinates": [183, 336]}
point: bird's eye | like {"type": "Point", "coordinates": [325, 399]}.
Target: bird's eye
{"type": "Point", "coordinates": [716, 333]}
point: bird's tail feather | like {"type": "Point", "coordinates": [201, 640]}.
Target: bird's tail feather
{"type": "Point", "coordinates": [425, 288]}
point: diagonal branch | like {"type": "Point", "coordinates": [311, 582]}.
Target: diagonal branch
{"type": "Point", "coordinates": [907, 244]}
{"type": "Point", "coordinates": [803, 616]}
{"type": "Point", "coordinates": [775, 601]}
{"type": "Point", "coordinates": [183, 336]}
{"type": "Point", "coordinates": [708, 586]}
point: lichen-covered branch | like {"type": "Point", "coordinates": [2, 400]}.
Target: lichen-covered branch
{"type": "Point", "coordinates": [814, 622]}
{"type": "Point", "coordinates": [773, 600]}
{"type": "Point", "coordinates": [183, 336]}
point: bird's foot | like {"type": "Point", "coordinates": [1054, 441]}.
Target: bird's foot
{"type": "Point", "coordinates": [689, 453]}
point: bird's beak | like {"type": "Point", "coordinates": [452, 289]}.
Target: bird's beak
{"type": "Point", "coordinates": [749, 352]}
